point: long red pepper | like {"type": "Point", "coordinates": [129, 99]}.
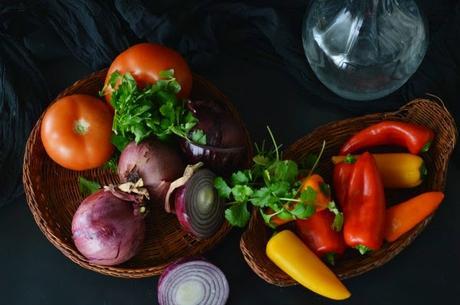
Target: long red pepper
{"type": "Point", "coordinates": [341, 179]}
{"type": "Point", "coordinates": [317, 233]}
{"type": "Point", "coordinates": [364, 210]}
{"type": "Point", "coordinates": [415, 138]}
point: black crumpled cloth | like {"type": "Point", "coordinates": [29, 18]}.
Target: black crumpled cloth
{"type": "Point", "coordinates": [95, 31]}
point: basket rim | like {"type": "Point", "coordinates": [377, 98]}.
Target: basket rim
{"type": "Point", "coordinates": [60, 243]}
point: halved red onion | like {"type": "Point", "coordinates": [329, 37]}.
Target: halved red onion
{"type": "Point", "coordinates": [198, 207]}
{"type": "Point", "coordinates": [194, 282]}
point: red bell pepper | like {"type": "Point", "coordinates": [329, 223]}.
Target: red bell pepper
{"type": "Point", "coordinates": [318, 234]}
{"type": "Point", "coordinates": [415, 138]}
{"type": "Point", "coordinates": [364, 210]}
{"type": "Point", "coordinates": [341, 179]}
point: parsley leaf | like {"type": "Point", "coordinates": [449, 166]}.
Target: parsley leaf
{"type": "Point", "coordinates": [198, 136]}
{"type": "Point", "coordinates": [285, 170]}
{"type": "Point", "coordinates": [152, 110]}
{"type": "Point", "coordinates": [262, 197]}
{"type": "Point", "coordinates": [241, 193]}
{"type": "Point", "coordinates": [337, 224]}
{"type": "Point", "coordinates": [222, 188]}
{"type": "Point", "coordinates": [87, 187]}
{"type": "Point", "coordinates": [302, 210]}
{"type": "Point", "coordinates": [308, 196]}
{"type": "Point", "coordinates": [240, 177]}
{"type": "Point", "coordinates": [237, 215]}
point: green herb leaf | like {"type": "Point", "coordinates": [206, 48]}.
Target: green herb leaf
{"type": "Point", "coordinates": [280, 189]}
{"type": "Point", "coordinates": [166, 74]}
{"type": "Point", "coordinates": [241, 193]}
{"type": "Point", "coordinates": [240, 177]}
{"type": "Point", "coordinates": [119, 142]}
{"type": "Point", "coordinates": [87, 187]}
{"type": "Point", "coordinates": [262, 197]}
{"type": "Point", "coordinates": [237, 215]}
{"type": "Point", "coordinates": [198, 136]}
{"type": "Point", "coordinates": [308, 195]}
{"type": "Point", "coordinates": [285, 170]}
{"type": "Point", "coordinates": [302, 210]}
{"type": "Point", "coordinates": [223, 190]}
{"type": "Point", "coordinates": [267, 219]}
{"type": "Point", "coordinates": [337, 224]}
{"type": "Point", "coordinates": [112, 164]}
{"type": "Point", "coordinates": [261, 160]}
{"type": "Point", "coordinates": [152, 110]}
{"type": "Point", "coordinates": [285, 215]}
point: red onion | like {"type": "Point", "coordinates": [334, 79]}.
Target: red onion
{"type": "Point", "coordinates": [225, 148]}
{"type": "Point", "coordinates": [155, 162]}
{"type": "Point", "coordinates": [218, 123]}
{"type": "Point", "coordinates": [108, 228]}
{"type": "Point", "coordinates": [199, 208]}
{"type": "Point", "coordinates": [191, 283]}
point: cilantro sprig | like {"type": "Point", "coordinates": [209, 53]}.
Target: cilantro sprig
{"type": "Point", "coordinates": [271, 184]}
{"type": "Point", "coordinates": [154, 110]}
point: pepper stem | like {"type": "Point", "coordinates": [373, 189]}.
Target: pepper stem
{"type": "Point", "coordinates": [426, 147]}
{"type": "Point", "coordinates": [423, 171]}
{"type": "Point", "coordinates": [330, 258]}
{"type": "Point", "coordinates": [363, 249]}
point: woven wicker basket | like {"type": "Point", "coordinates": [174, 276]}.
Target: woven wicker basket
{"type": "Point", "coordinates": [53, 197]}
{"type": "Point", "coordinates": [426, 112]}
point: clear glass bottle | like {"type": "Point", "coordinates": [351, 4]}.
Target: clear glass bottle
{"type": "Point", "coordinates": [364, 49]}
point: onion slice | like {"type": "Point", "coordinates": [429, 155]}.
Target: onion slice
{"type": "Point", "coordinates": [198, 207]}
{"type": "Point", "coordinates": [195, 282]}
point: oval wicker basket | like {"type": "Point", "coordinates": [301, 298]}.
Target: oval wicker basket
{"type": "Point", "coordinates": [426, 112]}
{"type": "Point", "coordinates": [53, 196]}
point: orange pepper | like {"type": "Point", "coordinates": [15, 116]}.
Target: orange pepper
{"type": "Point", "coordinates": [322, 200]}
{"type": "Point", "coordinates": [402, 217]}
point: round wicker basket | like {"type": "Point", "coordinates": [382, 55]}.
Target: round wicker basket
{"type": "Point", "coordinates": [430, 113]}
{"type": "Point", "coordinates": [53, 196]}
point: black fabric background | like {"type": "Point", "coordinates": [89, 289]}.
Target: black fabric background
{"type": "Point", "coordinates": [252, 51]}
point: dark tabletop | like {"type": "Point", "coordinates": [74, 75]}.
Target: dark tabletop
{"type": "Point", "coordinates": [33, 271]}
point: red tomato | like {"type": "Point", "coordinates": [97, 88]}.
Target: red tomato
{"type": "Point", "coordinates": [76, 132]}
{"type": "Point", "coordinates": [146, 60]}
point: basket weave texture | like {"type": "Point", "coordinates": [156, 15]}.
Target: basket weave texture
{"type": "Point", "coordinates": [53, 196]}
{"type": "Point", "coordinates": [427, 112]}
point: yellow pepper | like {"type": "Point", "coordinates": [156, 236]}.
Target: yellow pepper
{"type": "Point", "coordinates": [398, 170]}
{"type": "Point", "coordinates": [292, 256]}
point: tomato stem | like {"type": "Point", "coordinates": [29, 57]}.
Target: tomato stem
{"type": "Point", "coordinates": [81, 126]}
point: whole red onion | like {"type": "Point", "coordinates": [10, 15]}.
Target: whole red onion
{"type": "Point", "coordinates": [226, 147]}
{"type": "Point", "coordinates": [108, 228]}
{"type": "Point", "coordinates": [155, 162]}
